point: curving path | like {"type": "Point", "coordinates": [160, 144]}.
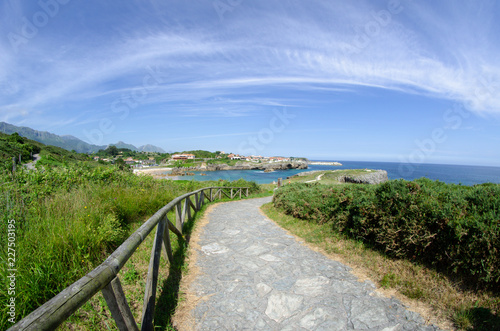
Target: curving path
{"type": "Point", "coordinates": [318, 178]}
{"type": "Point", "coordinates": [31, 165]}
{"type": "Point", "coordinates": [254, 276]}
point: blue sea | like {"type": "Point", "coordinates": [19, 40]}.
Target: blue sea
{"type": "Point", "coordinates": [457, 174]}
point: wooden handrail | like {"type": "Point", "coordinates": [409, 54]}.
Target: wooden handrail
{"type": "Point", "coordinates": [105, 277]}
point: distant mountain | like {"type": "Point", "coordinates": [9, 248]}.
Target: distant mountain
{"type": "Point", "coordinates": [68, 142]}
{"type": "Point", "coordinates": [121, 144]}
{"type": "Point", "coordinates": [151, 148]}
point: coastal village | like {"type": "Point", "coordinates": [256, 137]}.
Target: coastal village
{"type": "Point", "coordinates": [170, 159]}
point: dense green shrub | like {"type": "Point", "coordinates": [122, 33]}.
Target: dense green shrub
{"type": "Point", "coordinates": [448, 226]}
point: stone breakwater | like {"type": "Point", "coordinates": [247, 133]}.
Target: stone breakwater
{"type": "Point", "coordinates": [244, 166]}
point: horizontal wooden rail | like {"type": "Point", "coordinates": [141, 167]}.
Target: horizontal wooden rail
{"type": "Point", "coordinates": [105, 277]}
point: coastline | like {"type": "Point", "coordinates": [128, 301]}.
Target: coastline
{"type": "Point", "coordinates": [155, 172]}
{"type": "Point", "coordinates": [324, 163]}
{"type": "Point", "coordinates": [449, 174]}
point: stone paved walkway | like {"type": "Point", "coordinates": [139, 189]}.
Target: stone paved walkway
{"type": "Point", "coordinates": [254, 276]}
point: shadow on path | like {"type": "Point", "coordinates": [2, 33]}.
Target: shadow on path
{"type": "Point", "coordinates": [168, 298]}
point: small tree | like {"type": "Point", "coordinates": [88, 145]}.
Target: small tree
{"type": "Point", "coordinates": [112, 150]}
{"type": "Point", "coordinates": [121, 164]}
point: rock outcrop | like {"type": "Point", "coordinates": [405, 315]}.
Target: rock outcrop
{"type": "Point", "coordinates": [374, 177]}
{"type": "Point", "coordinates": [369, 177]}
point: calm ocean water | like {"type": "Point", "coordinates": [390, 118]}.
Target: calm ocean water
{"type": "Point", "coordinates": [457, 174]}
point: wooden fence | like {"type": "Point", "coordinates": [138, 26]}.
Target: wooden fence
{"type": "Point", "coordinates": [105, 277]}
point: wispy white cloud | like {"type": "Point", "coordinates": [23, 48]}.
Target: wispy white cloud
{"type": "Point", "coordinates": [441, 50]}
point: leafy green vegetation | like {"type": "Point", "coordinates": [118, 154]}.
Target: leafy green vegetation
{"type": "Point", "coordinates": [70, 214]}
{"type": "Point", "coordinates": [15, 145]}
{"type": "Point", "coordinates": [113, 152]}
{"type": "Point", "coordinates": [452, 228]}
{"type": "Point", "coordinates": [224, 160]}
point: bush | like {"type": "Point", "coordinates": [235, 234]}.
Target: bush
{"type": "Point", "coordinates": [451, 227]}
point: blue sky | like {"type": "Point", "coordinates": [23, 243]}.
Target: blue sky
{"type": "Point", "coordinates": [404, 81]}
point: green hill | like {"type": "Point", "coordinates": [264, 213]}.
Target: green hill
{"type": "Point", "coordinates": [14, 145]}
{"type": "Point", "coordinates": [69, 142]}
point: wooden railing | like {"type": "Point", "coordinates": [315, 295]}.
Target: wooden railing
{"type": "Point", "coordinates": [105, 277]}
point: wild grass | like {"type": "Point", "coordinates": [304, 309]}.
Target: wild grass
{"type": "Point", "coordinates": [95, 315]}
{"type": "Point", "coordinates": [441, 300]}
{"type": "Point", "coordinates": [69, 218]}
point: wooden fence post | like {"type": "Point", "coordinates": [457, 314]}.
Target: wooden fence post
{"type": "Point", "coordinates": [186, 215]}
{"type": "Point", "coordinates": [178, 217]}
{"type": "Point", "coordinates": [117, 304]}
{"type": "Point", "coordinates": [192, 204]}
{"type": "Point", "coordinates": [167, 246]}
{"type": "Point", "coordinates": [197, 201]}
{"type": "Point", "coordinates": [148, 309]}
{"type": "Point", "coordinates": [202, 198]}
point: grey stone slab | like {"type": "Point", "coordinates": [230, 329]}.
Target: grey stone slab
{"type": "Point", "coordinates": [255, 250]}
{"type": "Point", "coordinates": [311, 286]}
{"type": "Point", "coordinates": [324, 319]}
{"type": "Point", "coordinates": [263, 289]}
{"type": "Point", "coordinates": [366, 314]}
{"type": "Point", "coordinates": [284, 283]}
{"type": "Point", "coordinates": [283, 305]}
{"type": "Point", "coordinates": [214, 248]}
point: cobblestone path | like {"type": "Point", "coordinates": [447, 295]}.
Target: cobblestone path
{"type": "Point", "coordinates": [254, 276]}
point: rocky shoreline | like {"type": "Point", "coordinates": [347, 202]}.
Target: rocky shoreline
{"type": "Point", "coordinates": [374, 177]}
{"type": "Point", "coordinates": [267, 167]}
